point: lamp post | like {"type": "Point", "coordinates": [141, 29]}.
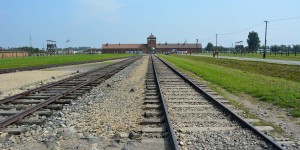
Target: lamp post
{"type": "Point", "coordinates": [216, 49]}
{"type": "Point", "coordinates": [264, 55]}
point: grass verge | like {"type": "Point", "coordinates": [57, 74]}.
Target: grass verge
{"type": "Point", "coordinates": [50, 60]}
{"type": "Point", "coordinates": [277, 91]}
{"type": "Point", "coordinates": [254, 55]}
{"type": "Point", "coordinates": [289, 72]}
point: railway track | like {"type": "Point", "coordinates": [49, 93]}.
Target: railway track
{"type": "Point", "coordinates": [157, 128]}
{"type": "Point", "coordinates": [19, 110]}
{"type": "Point", "coordinates": [187, 117]}
{"type": "Point", "coordinates": [10, 70]}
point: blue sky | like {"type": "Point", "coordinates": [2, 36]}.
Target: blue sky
{"type": "Point", "coordinates": [94, 22]}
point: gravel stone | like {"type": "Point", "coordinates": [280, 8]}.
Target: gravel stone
{"type": "Point", "coordinates": [121, 135]}
{"type": "Point", "coordinates": [94, 118]}
{"type": "Point", "coordinates": [133, 135]}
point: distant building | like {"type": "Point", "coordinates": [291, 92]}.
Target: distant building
{"type": "Point", "coordinates": [151, 47]}
{"type": "Point", "coordinates": [262, 50]}
{"type": "Point", "coordinates": [94, 51]}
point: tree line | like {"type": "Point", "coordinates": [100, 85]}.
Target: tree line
{"type": "Point", "coordinates": [254, 46]}
{"type": "Point", "coordinates": [33, 50]}
{"type": "Point", "coordinates": [24, 49]}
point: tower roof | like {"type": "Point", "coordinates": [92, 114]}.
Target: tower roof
{"type": "Point", "coordinates": [151, 36]}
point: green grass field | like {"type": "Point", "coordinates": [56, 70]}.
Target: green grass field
{"type": "Point", "coordinates": [254, 55]}
{"type": "Point", "coordinates": [289, 72]}
{"type": "Point", "coordinates": [249, 79]}
{"type": "Point", "coordinates": [50, 60]}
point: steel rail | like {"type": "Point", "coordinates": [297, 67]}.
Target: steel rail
{"type": "Point", "coordinates": [223, 107]}
{"type": "Point", "coordinates": [14, 97]}
{"type": "Point", "coordinates": [173, 141]}
{"type": "Point", "coordinates": [26, 112]}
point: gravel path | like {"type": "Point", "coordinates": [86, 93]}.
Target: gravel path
{"type": "Point", "coordinates": [107, 117]}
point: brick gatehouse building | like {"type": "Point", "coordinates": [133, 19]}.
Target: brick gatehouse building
{"type": "Point", "coordinates": [152, 47]}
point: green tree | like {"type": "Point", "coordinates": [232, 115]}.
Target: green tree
{"type": "Point", "coordinates": [296, 49]}
{"type": "Point", "coordinates": [221, 48]}
{"type": "Point", "coordinates": [253, 41]}
{"type": "Point", "coordinates": [275, 49]}
{"type": "Point", "coordinates": [209, 47]}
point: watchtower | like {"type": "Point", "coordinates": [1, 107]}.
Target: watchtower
{"type": "Point", "coordinates": [151, 43]}
{"type": "Point", "coordinates": [51, 46]}
{"type": "Point", "coordinates": [239, 47]}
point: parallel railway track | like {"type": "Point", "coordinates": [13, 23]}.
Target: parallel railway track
{"type": "Point", "coordinates": [10, 70]}
{"type": "Point", "coordinates": [41, 101]}
{"type": "Point", "coordinates": [191, 118]}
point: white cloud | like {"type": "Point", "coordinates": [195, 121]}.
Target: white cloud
{"type": "Point", "coordinates": [103, 10]}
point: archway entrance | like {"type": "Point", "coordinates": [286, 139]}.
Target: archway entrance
{"type": "Point", "coordinates": [152, 50]}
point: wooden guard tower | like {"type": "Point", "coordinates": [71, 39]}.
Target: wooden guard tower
{"type": "Point", "coordinates": [51, 46]}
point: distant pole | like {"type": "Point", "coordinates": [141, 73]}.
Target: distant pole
{"type": "Point", "coordinates": [216, 44]}
{"type": "Point", "coordinates": [264, 56]}
{"type": "Point", "coordinates": [197, 46]}
{"type": "Point", "coordinates": [289, 50]}
{"type": "Point", "coordinates": [30, 41]}
{"type": "Point", "coordinates": [294, 50]}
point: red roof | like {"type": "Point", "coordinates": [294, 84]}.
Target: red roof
{"type": "Point", "coordinates": [178, 46]}
{"type": "Point", "coordinates": [124, 46]}
{"type": "Point", "coordinates": [151, 36]}
{"type": "Point", "coordinates": [144, 46]}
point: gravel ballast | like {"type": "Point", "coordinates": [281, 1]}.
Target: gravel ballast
{"type": "Point", "coordinates": [107, 117]}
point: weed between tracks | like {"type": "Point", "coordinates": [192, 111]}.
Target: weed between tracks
{"type": "Point", "coordinates": [50, 60]}
{"type": "Point", "coordinates": [276, 90]}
